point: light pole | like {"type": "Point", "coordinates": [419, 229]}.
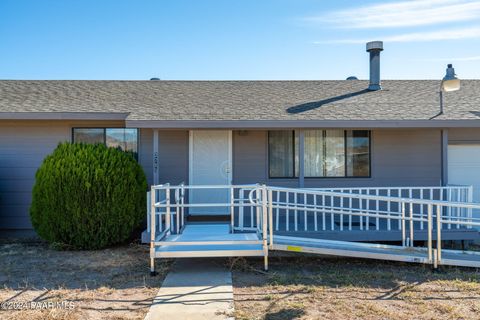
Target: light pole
{"type": "Point", "coordinates": [449, 83]}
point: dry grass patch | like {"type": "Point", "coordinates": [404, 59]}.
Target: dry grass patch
{"type": "Point", "coordinates": [328, 288]}
{"type": "Point", "coordinates": [105, 284]}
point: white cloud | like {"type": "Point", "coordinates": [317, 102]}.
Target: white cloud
{"type": "Point", "coordinates": [446, 34]}
{"type": "Point", "coordinates": [402, 14]}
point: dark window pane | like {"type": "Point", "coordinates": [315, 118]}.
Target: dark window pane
{"type": "Point", "coordinates": [281, 154]}
{"type": "Point", "coordinates": [358, 153]}
{"type": "Point", "coordinates": [88, 135]}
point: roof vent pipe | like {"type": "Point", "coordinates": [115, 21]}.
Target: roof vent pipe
{"type": "Point", "coordinates": [374, 47]}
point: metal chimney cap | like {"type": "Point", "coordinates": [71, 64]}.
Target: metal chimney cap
{"type": "Point", "coordinates": [374, 45]}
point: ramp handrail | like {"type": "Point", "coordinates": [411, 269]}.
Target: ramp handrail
{"type": "Point", "coordinates": [269, 210]}
{"type": "Point", "coordinates": [342, 204]}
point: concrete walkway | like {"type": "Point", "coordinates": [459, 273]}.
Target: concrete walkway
{"type": "Point", "coordinates": [194, 289]}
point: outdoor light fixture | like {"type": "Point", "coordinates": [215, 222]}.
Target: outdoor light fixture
{"type": "Point", "coordinates": [449, 83]}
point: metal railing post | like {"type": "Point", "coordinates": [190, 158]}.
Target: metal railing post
{"type": "Point", "coordinates": [153, 228]}
{"type": "Point", "coordinates": [168, 226]}
{"type": "Point", "coordinates": [232, 209]}
{"type": "Point", "coordinates": [177, 213]}
{"type": "Point", "coordinates": [403, 225]}
{"type": "Point", "coordinates": [241, 197]}
{"type": "Point", "coordinates": [270, 216]}
{"type": "Point", "coordinates": [182, 202]}
{"type": "Point", "coordinates": [470, 200]}
{"type": "Point", "coordinates": [429, 231]}
{"type": "Point", "coordinates": [439, 234]}
{"type": "Point", "coordinates": [149, 211]}
{"type": "Point", "coordinates": [264, 226]}
{"type": "Point", "coordinates": [257, 210]}
{"type": "Point", "coordinates": [411, 225]}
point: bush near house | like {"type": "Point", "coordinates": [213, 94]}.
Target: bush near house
{"type": "Point", "coordinates": [88, 196]}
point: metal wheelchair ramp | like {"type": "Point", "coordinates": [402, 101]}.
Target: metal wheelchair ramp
{"type": "Point", "coordinates": [209, 240]}
{"type": "Point", "coordinates": [260, 216]}
{"type": "Point", "coordinates": [375, 251]}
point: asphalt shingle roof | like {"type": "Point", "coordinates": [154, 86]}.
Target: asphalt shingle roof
{"type": "Point", "coordinates": [244, 100]}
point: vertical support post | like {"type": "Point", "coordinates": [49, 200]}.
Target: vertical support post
{"type": "Point", "coordinates": [264, 226]}
{"type": "Point", "coordinates": [168, 225]}
{"type": "Point", "coordinates": [377, 207]}
{"type": "Point", "coordinates": [277, 211]}
{"type": "Point", "coordinates": [342, 207]}
{"type": "Point", "coordinates": [360, 204]}
{"type": "Point", "coordinates": [241, 196]}
{"type": "Point", "coordinates": [259, 198]}
{"type": "Point", "coordinates": [232, 208]}
{"type": "Point", "coordinates": [429, 231]}
{"type": "Point", "coordinates": [149, 211]}
{"type": "Point", "coordinates": [295, 211]}
{"type": "Point", "coordinates": [389, 222]}
{"type": "Point", "coordinates": [403, 225]}
{"type": "Point", "coordinates": [439, 233]}
{"type": "Point", "coordinates": [422, 208]}
{"type": "Point", "coordinates": [177, 213]}
{"type": "Point", "coordinates": [470, 210]}
{"type": "Point", "coordinates": [305, 218]}
{"type": "Point", "coordinates": [324, 227]}
{"type": "Point", "coordinates": [350, 215]}
{"type": "Point", "coordinates": [270, 216]}
{"type": "Point", "coordinates": [182, 202]}
{"type": "Point", "coordinates": [155, 157]}
{"type": "Point", "coordinates": [411, 224]}
{"type": "Point", "coordinates": [153, 228]}
{"type": "Point", "coordinates": [449, 209]}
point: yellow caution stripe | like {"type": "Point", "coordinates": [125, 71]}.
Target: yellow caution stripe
{"type": "Point", "coordinates": [294, 248]}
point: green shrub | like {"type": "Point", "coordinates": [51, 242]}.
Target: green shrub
{"type": "Point", "coordinates": [88, 196]}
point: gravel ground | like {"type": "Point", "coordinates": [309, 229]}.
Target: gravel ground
{"type": "Point", "coordinates": [106, 284]}
{"type": "Point", "coordinates": [330, 288]}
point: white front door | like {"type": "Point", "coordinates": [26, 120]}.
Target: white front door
{"type": "Point", "coordinates": [210, 164]}
{"type": "Point", "coordinates": [464, 167]}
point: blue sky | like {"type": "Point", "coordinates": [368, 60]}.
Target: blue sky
{"type": "Point", "coordinates": [236, 40]}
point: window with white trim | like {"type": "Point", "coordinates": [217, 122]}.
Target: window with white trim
{"type": "Point", "coordinates": [327, 153]}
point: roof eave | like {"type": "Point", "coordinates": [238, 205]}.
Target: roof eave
{"type": "Point", "coordinates": [277, 124]}
{"type": "Point", "coordinates": [63, 116]}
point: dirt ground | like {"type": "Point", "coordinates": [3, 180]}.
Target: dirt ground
{"type": "Point", "coordinates": [105, 284]}
{"type": "Point", "coordinates": [329, 288]}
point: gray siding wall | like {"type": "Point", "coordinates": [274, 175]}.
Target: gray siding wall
{"type": "Point", "coordinates": [172, 155]}
{"type": "Point", "coordinates": [23, 146]}
{"type": "Point", "coordinates": [400, 157]}
{"type": "Point", "coordinates": [464, 135]}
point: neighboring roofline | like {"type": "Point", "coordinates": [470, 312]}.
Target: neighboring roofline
{"type": "Point", "coordinates": [267, 124]}
{"type": "Point", "coordinates": [63, 116]}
